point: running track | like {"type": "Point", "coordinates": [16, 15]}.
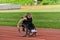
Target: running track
{"type": "Point", "coordinates": [11, 33]}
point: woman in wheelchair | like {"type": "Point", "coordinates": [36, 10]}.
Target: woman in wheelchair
{"type": "Point", "coordinates": [28, 25]}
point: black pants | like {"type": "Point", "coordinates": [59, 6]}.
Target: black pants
{"type": "Point", "coordinates": [31, 26]}
{"type": "Point", "coordinates": [28, 27]}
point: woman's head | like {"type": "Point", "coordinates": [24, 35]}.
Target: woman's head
{"type": "Point", "coordinates": [28, 15]}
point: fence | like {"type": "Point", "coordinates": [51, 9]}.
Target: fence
{"type": "Point", "coordinates": [9, 6]}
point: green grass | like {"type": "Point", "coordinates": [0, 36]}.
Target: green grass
{"type": "Point", "coordinates": [40, 19]}
{"type": "Point", "coordinates": [31, 2]}
{"type": "Point", "coordinates": [21, 2]}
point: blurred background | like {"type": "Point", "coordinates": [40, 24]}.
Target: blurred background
{"type": "Point", "coordinates": [31, 2]}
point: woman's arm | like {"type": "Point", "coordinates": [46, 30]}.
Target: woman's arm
{"type": "Point", "coordinates": [21, 20]}
{"type": "Point", "coordinates": [18, 25]}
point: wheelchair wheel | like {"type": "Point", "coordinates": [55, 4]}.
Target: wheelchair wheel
{"type": "Point", "coordinates": [21, 31]}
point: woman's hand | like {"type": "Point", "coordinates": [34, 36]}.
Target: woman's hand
{"type": "Point", "coordinates": [24, 18]}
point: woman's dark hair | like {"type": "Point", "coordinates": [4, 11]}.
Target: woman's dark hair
{"type": "Point", "coordinates": [28, 14]}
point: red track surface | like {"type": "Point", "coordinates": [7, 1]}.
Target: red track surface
{"type": "Point", "coordinates": [11, 33]}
